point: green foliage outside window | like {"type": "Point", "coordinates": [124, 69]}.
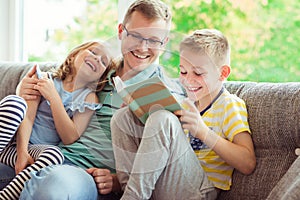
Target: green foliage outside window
{"type": "Point", "coordinates": [264, 34]}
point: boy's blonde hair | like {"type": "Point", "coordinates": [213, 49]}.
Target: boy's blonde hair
{"type": "Point", "coordinates": [209, 42]}
{"type": "Point", "coordinates": [151, 9]}
{"type": "Point", "coordinates": [67, 67]}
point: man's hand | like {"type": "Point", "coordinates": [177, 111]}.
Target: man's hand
{"type": "Point", "coordinates": [103, 179]}
{"type": "Point", "coordinates": [25, 88]}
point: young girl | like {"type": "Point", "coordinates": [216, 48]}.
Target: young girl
{"type": "Point", "coordinates": [62, 113]}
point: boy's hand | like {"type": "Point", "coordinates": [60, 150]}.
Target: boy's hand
{"type": "Point", "coordinates": [191, 119]}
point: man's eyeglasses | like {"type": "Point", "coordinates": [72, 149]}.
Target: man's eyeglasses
{"type": "Point", "coordinates": [136, 38]}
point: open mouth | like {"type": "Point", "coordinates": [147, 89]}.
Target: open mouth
{"type": "Point", "coordinates": [193, 89]}
{"type": "Point", "coordinates": [91, 65]}
{"type": "Point", "coordinates": [139, 56]}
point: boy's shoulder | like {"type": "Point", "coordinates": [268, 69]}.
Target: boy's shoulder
{"type": "Point", "coordinates": [228, 98]}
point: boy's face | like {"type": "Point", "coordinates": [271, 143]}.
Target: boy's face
{"type": "Point", "coordinates": [199, 76]}
{"type": "Point", "coordinates": [141, 41]}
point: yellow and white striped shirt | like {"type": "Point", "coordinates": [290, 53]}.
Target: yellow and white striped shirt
{"type": "Point", "coordinates": [226, 117]}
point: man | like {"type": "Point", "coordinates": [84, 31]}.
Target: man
{"type": "Point", "coordinates": [143, 34]}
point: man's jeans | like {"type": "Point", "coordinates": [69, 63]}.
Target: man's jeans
{"type": "Point", "coordinates": [6, 174]}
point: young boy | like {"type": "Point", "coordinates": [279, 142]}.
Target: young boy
{"type": "Point", "coordinates": [217, 120]}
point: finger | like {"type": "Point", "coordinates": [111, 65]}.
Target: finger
{"type": "Point", "coordinates": [190, 105]}
{"type": "Point", "coordinates": [104, 188]}
{"type": "Point", "coordinates": [31, 72]}
{"type": "Point", "coordinates": [188, 118]}
{"type": "Point", "coordinates": [101, 172]}
{"type": "Point", "coordinates": [90, 170]}
{"type": "Point", "coordinates": [30, 97]}
{"type": "Point", "coordinates": [105, 191]}
{"type": "Point", "coordinates": [178, 112]}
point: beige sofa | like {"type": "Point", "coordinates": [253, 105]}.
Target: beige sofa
{"type": "Point", "coordinates": [274, 117]}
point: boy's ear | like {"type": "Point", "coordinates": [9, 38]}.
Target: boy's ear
{"type": "Point", "coordinates": [225, 71]}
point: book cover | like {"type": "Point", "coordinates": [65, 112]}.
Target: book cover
{"type": "Point", "coordinates": [146, 97]}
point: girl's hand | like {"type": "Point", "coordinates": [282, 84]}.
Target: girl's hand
{"type": "Point", "coordinates": [46, 87]}
{"type": "Point", "coordinates": [23, 160]}
{"type": "Point", "coordinates": [192, 120]}
{"type": "Point", "coordinates": [103, 179]}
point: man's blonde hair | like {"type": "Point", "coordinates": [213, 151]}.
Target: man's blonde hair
{"type": "Point", "coordinates": [151, 9]}
{"type": "Point", "coordinates": [210, 42]}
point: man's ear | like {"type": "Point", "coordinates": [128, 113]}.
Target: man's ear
{"type": "Point", "coordinates": [166, 40]}
{"type": "Point", "coordinates": [225, 71]}
{"type": "Point", "coordinates": [120, 31]}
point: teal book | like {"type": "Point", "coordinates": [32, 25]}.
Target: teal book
{"type": "Point", "coordinates": [146, 97]}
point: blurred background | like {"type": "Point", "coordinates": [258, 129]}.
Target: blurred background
{"type": "Point", "coordinates": [264, 34]}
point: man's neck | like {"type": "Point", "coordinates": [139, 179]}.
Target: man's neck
{"type": "Point", "coordinates": [125, 75]}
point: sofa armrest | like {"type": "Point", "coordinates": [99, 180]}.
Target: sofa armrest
{"type": "Point", "coordinates": [288, 188]}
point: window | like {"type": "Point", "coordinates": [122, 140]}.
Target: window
{"type": "Point", "coordinates": [264, 35]}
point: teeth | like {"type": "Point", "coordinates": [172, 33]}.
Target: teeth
{"type": "Point", "coordinates": [193, 88]}
{"type": "Point", "coordinates": [139, 56]}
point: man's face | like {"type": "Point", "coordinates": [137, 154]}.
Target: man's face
{"type": "Point", "coordinates": [141, 41]}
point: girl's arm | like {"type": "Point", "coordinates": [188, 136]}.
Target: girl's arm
{"type": "Point", "coordinates": [69, 130]}
{"type": "Point", "coordinates": [239, 153]}
{"type": "Point", "coordinates": [23, 135]}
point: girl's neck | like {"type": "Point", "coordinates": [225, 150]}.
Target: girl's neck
{"type": "Point", "coordinates": [70, 86]}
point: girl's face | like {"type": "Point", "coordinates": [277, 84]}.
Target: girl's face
{"type": "Point", "coordinates": [199, 76]}
{"type": "Point", "coordinates": [91, 63]}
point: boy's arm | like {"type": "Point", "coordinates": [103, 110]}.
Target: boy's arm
{"type": "Point", "coordinates": [23, 136]}
{"type": "Point", "coordinates": [239, 153]}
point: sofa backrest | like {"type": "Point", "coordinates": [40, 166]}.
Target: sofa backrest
{"type": "Point", "coordinates": [12, 72]}
{"type": "Point", "coordinates": [274, 119]}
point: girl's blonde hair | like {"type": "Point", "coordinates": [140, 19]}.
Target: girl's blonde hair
{"type": "Point", "coordinates": [210, 42]}
{"type": "Point", "coordinates": [67, 69]}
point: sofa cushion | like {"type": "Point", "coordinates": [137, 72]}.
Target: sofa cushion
{"type": "Point", "coordinates": [273, 114]}
{"type": "Point", "coordinates": [288, 188]}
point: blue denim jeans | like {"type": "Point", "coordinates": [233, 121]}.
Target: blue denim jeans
{"type": "Point", "coordinates": [60, 182]}
{"type": "Point", "coordinates": [7, 173]}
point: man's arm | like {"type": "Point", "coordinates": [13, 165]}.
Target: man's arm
{"type": "Point", "coordinates": [25, 88]}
